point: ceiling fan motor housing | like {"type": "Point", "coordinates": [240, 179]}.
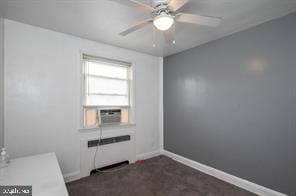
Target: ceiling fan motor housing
{"type": "Point", "coordinates": [157, 3]}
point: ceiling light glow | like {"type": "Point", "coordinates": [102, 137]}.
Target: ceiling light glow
{"type": "Point", "coordinates": [163, 22]}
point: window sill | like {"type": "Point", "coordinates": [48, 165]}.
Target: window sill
{"type": "Point", "coordinates": [107, 126]}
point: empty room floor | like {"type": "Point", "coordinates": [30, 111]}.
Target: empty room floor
{"type": "Point", "coordinates": [158, 176]}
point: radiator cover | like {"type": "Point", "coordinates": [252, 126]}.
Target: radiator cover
{"type": "Point", "coordinates": [115, 146]}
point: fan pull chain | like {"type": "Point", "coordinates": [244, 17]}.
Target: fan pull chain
{"type": "Point", "coordinates": [154, 38]}
{"type": "Point", "coordinates": [174, 35]}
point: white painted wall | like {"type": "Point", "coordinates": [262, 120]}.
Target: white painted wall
{"type": "Point", "coordinates": [42, 93]}
{"type": "Point", "coordinates": [1, 82]}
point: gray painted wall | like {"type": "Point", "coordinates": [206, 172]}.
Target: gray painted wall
{"type": "Point", "coordinates": [231, 104]}
{"type": "Point", "coordinates": [1, 82]}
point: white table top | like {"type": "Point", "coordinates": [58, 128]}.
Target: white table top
{"type": "Point", "coordinates": [41, 171]}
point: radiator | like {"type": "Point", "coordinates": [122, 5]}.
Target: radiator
{"type": "Point", "coordinates": [113, 147]}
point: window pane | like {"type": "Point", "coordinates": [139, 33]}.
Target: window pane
{"type": "Point", "coordinates": [107, 100]}
{"type": "Point", "coordinates": [100, 69]}
{"type": "Point", "coordinates": [106, 86]}
{"type": "Point", "coordinates": [124, 115]}
{"type": "Point", "coordinates": [90, 117]}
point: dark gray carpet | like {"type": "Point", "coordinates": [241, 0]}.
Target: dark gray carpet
{"type": "Point", "coordinates": [159, 176]}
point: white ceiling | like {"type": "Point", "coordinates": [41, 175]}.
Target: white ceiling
{"type": "Point", "coordinates": [102, 20]}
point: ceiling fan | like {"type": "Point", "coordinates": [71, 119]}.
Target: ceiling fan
{"type": "Point", "coordinates": [164, 16]}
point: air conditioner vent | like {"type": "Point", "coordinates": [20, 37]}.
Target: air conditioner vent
{"type": "Point", "coordinates": [110, 116]}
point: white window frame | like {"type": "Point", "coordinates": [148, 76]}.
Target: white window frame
{"type": "Point", "coordinates": [131, 85]}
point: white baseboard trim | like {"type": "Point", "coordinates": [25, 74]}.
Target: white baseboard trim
{"type": "Point", "coordinates": [239, 182]}
{"type": "Point", "coordinates": [148, 155]}
{"type": "Point", "coordinates": [72, 176]}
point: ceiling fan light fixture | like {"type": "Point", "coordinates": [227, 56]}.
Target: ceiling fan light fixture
{"type": "Point", "coordinates": [163, 22]}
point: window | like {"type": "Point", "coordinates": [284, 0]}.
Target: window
{"type": "Point", "coordinates": [107, 85]}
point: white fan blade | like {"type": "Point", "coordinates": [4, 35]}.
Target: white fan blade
{"type": "Point", "coordinates": [168, 36]}
{"type": "Point", "coordinates": [137, 26]}
{"type": "Point", "coordinates": [135, 4]}
{"type": "Point", "coordinates": [175, 5]}
{"type": "Point", "coordinates": [198, 19]}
